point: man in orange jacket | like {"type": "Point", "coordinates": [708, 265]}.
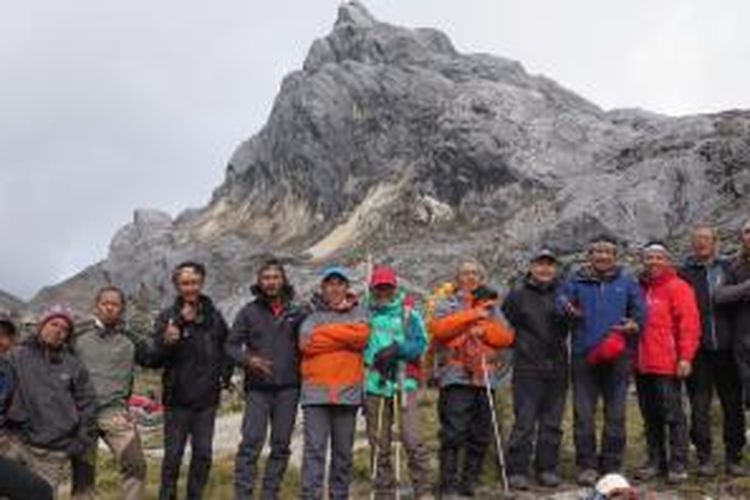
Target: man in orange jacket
{"type": "Point", "coordinates": [469, 331]}
{"type": "Point", "coordinates": [666, 349]}
{"type": "Point", "coordinates": [332, 341]}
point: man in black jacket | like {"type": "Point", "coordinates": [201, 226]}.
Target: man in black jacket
{"type": "Point", "coordinates": [714, 366]}
{"type": "Point", "coordinates": [52, 412]}
{"type": "Point", "coordinates": [735, 293]}
{"type": "Point", "coordinates": [189, 339]}
{"type": "Point", "coordinates": [263, 341]}
{"type": "Point", "coordinates": [540, 373]}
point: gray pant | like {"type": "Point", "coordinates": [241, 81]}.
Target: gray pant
{"type": "Point", "coordinates": [279, 406]}
{"type": "Point", "coordinates": [323, 423]}
{"type": "Point", "coordinates": [380, 417]}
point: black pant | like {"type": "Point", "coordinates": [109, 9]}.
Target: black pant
{"type": "Point", "coordinates": [19, 483]}
{"type": "Point", "coordinates": [742, 359]}
{"type": "Point", "coordinates": [608, 381]}
{"type": "Point", "coordinates": [465, 425]}
{"type": "Point", "coordinates": [179, 424]}
{"type": "Point", "coordinates": [660, 400]}
{"type": "Point", "coordinates": [716, 369]}
{"type": "Point", "coordinates": [538, 404]}
{"type": "Point", "coordinates": [279, 406]}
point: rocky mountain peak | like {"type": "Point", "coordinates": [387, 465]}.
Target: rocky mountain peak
{"type": "Point", "coordinates": [388, 140]}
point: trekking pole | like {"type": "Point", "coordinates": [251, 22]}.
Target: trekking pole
{"type": "Point", "coordinates": [376, 447]}
{"type": "Point", "coordinates": [495, 426]}
{"type": "Point", "coordinates": [397, 420]}
{"type": "Point", "coordinates": [381, 403]}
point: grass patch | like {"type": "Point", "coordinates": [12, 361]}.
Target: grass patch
{"type": "Point", "coordinates": [220, 485]}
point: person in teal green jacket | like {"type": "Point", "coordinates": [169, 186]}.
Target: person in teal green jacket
{"type": "Point", "coordinates": [397, 343]}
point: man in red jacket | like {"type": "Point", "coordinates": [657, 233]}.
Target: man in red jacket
{"type": "Point", "coordinates": [666, 349]}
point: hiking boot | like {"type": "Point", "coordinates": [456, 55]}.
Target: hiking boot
{"type": "Point", "coordinates": [518, 482]}
{"type": "Point", "coordinates": [648, 472]}
{"type": "Point", "coordinates": [587, 477]}
{"type": "Point", "coordinates": [384, 494]}
{"type": "Point", "coordinates": [466, 491]}
{"type": "Point", "coordinates": [549, 479]}
{"type": "Point", "coordinates": [706, 469]}
{"type": "Point", "coordinates": [677, 476]}
{"type": "Point", "coordinates": [736, 469]}
{"type": "Point", "coordinates": [447, 494]}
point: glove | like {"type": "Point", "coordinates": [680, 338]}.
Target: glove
{"type": "Point", "coordinates": [385, 361]}
{"type": "Point", "coordinates": [485, 294]}
{"type": "Point", "coordinates": [259, 366]}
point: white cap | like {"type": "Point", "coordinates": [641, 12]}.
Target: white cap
{"type": "Point", "coordinates": [611, 483]}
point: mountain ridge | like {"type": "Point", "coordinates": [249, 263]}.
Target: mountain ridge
{"type": "Point", "coordinates": [389, 141]}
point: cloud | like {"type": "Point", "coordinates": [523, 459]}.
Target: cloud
{"type": "Point", "coordinates": [107, 106]}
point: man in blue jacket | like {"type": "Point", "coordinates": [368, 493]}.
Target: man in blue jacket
{"type": "Point", "coordinates": [606, 307]}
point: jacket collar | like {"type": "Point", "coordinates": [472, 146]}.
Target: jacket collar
{"type": "Point", "coordinates": [692, 262]}
{"type": "Point", "coordinates": [587, 273]}
{"type": "Point", "coordinates": [102, 330]}
{"type": "Point", "coordinates": [664, 276]}
{"type": "Point", "coordinates": [543, 287]}
{"type": "Point", "coordinates": [395, 304]}
{"type": "Point", "coordinates": [320, 305]}
{"type": "Point", "coordinates": [205, 309]}
{"type": "Point", "coordinates": [287, 294]}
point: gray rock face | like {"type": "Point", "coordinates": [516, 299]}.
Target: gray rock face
{"type": "Point", "coordinates": [10, 303]}
{"type": "Point", "coordinates": [388, 140]}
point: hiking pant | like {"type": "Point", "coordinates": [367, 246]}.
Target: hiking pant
{"type": "Point", "coordinates": [49, 465]}
{"type": "Point", "coordinates": [323, 424]}
{"type": "Point", "coordinates": [608, 381]}
{"type": "Point", "coordinates": [19, 483]}
{"type": "Point", "coordinates": [279, 408]}
{"type": "Point", "coordinates": [465, 426]}
{"type": "Point", "coordinates": [660, 400]}
{"type": "Point", "coordinates": [742, 360]}
{"type": "Point", "coordinates": [716, 370]}
{"type": "Point", "coordinates": [118, 429]}
{"type": "Point", "coordinates": [538, 405]}
{"type": "Point", "coordinates": [380, 419]}
{"type": "Point", "coordinates": [181, 423]}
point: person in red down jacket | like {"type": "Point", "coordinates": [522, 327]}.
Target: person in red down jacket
{"type": "Point", "coordinates": [666, 349]}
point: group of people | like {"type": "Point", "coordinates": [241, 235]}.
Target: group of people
{"type": "Point", "coordinates": [67, 385]}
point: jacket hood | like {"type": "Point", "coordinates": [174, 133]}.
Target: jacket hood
{"type": "Point", "coordinates": [287, 293]}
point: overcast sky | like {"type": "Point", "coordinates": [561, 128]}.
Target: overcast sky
{"type": "Point", "coordinates": [109, 106]}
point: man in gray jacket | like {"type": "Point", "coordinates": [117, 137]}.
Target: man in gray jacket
{"type": "Point", "coordinates": [52, 413]}
{"type": "Point", "coordinates": [110, 356]}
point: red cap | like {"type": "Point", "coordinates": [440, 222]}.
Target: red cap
{"type": "Point", "coordinates": [608, 350]}
{"type": "Point", "coordinates": [383, 275]}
